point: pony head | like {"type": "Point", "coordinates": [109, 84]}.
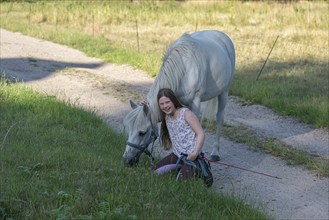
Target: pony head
{"type": "Point", "coordinates": [141, 133]}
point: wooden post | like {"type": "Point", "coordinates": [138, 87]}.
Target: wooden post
{"type": "Point", "coordinates": [30, 14]}
{"type": "Point", "coordinates": [267, 58]}
{"type": "Point", "coordinates": [137, 35]}
{"type": "Point", "coordinates": [93, 24]}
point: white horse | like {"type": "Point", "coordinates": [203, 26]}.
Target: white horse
{"type": "Point", "coordinates": [198, 67]}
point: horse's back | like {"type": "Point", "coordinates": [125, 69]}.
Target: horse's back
{"type": "Point", "coordinates": [197, 66]}
{"type": "Point", "coordinates": [218, 59]}
{"type": "Point", "coordinates": [217, 37]}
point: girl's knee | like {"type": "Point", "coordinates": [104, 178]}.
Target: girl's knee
{"type": "Point", "coordinates": [187, 172]}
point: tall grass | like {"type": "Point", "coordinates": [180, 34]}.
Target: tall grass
{"type": "Point", "coordinates": [60, 162]}
{"type": "Point", "coordinates": [294, 81]}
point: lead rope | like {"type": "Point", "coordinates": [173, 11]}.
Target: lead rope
{"type": "Point", "coordinates": [150, 157]}
{"type": "Point", "coordinates": [155, 136]}
{"type": "Point", "coordinates": [241, 168]}
{"type": "Point", "coordinates": [149, 154]}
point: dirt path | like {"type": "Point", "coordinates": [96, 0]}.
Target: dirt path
{"type": "Point", "coordinates": [106, 88]}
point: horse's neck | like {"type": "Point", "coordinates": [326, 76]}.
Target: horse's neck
{"type": "Point", "coordinates": [166, 78]}
{"type": "Point", "coordinates": [153, 102]}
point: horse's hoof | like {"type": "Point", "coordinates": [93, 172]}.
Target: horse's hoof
{"type": "Point", "coordinates": [215, 157]}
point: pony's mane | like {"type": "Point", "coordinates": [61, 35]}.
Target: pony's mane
{"type": "Point", "coordinates": [172, 70]}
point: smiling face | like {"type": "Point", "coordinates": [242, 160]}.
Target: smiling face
{"type": "Point", "coordinates": [167, 106]}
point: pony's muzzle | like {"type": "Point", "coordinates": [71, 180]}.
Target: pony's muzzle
{"type": "Point", "coordinates": [130, 161]}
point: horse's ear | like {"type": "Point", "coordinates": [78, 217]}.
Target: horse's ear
{"type": "Point", "coordinates": [133, 104]}
{"type": "Point", "coordinates": [145, 109]}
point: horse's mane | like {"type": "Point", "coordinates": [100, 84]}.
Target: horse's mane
{"type": "Point", "coordinates": [172, 70]}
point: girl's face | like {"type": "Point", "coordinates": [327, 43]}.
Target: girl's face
{"type": "Point", "coordinates": [166, 105]}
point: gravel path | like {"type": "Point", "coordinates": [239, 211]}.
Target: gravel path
{"type": "Point", "coordinates": [106, 88]}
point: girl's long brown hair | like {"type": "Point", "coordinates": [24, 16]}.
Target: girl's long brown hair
{"type": "Point", "coordinates": [164, 133]}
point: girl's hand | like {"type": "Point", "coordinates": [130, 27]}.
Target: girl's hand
{"type": "Point", "coordinates": [144, 102]}
{"type": "Point", "coordinates": [192, 156]}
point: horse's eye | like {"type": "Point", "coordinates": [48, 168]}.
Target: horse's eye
{"type": "Point", "coordinates": [141, 133]}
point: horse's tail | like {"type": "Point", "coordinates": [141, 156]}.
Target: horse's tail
{"type": "Point", "coordinates": [208, 115]}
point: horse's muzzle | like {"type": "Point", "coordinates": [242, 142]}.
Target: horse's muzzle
{"type": "Point", "coordinates": [130, 161]}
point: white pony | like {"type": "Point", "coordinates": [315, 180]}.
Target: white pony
{"type": "Point", "coordinates": [198, 67]}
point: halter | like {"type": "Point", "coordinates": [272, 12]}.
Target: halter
{"type": "Point", "coordinates": [143, 147]}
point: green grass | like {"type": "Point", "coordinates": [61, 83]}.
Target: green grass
{"type": "Point", "coordinates": [276, 148]}
{"type": "Point", "coordinates": [58, 161]}
{"type": "Point", "coordinates": [288, 90]}
{"type": "Point", "coordinates": [294, 81]}
{"type": "Point", "coordinates": [291, 156]}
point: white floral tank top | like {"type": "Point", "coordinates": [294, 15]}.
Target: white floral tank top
{"type": "Point", "coordinates": [181, 134]}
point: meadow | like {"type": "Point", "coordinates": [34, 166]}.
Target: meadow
{"type": "Point", "coordinates": [53, 165]}
{"type": "Point", "coordinates": [294, 81]}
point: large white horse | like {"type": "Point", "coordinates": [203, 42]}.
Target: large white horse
{"type": "Point", "coordinates": [198, 67]}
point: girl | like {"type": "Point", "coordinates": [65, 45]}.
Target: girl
{"type": "Point", "coordinates": [181, 130]}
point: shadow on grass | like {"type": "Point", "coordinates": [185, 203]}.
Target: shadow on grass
{"type": "Point", "coordinates": [30, 69]}
{"type": "Point", "coordinates": [297, 88]}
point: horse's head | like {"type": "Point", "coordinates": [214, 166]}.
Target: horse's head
{"type": "Point", "coordinates": [141, 133]}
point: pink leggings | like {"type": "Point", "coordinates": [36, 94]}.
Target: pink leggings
{"type": "Point", "coordinates": [186, 171]}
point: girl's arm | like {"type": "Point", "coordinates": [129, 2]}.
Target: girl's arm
{"type": "Point", "coordinates": [193, 121]}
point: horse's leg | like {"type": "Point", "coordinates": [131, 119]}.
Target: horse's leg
{"type": "Point", "coordinates": [195, 106]}
{"type": "Point", "coordinates": [222, 99]}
